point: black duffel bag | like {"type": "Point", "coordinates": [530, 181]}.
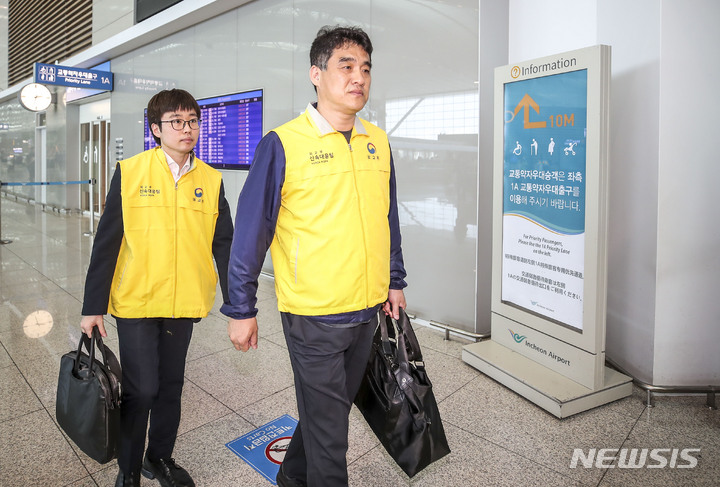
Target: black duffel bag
{"type": "Point", "coordinates": [397, 400]}
{"type": "Point", "coordinates": [88, 398]}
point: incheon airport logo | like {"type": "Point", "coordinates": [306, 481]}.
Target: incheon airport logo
{"type": "Point", "coordinates": [371, 148]}
{"type": "Point", "coordinates": [517, 337]}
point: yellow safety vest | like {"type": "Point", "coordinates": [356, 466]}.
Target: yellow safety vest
{"type": "Point", "coordinates": [165, 266]}
{"type": "Point", "coordinates": [331, 250]}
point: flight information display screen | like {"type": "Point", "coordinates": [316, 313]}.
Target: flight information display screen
{"type": "Point", "coordinates": [232, 126]}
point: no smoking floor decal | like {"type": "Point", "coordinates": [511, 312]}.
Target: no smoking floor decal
{"type": "Point", "coordinates": [264, 448]}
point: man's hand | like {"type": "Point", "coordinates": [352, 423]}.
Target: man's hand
{"type": "Point", "coordinates": [89, 322]}
{"type": "Point", "coordinates": [243, 333]}
{"type": "Point", "coordinates": [396, 300]}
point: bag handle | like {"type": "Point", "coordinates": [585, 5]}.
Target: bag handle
{"type": "Point", "coordinates": [411, 344]}
{"type": "Point", "coordinates": [391, 328]}
{"type": "Point", "coordinates": [407, 346]}
{"type": "Point", "coordinates": [396, 353]}
{"type": "Point", "coordinates": [90, 345]}
{"type": "Point", "coordinates": [384, 335]}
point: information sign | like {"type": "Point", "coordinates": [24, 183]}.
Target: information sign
{"type": "Point", "coordinates": [550, 198]}
{"type": "Point", "coordinates": [550, 211]}
{"type": "Point", "coordinates": [544, 195]}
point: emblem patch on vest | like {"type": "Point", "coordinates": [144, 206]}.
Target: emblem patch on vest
{"type": "Point", "coordinates": [371, 151]}
{"type": "Point", "coordinates": [198, 195]}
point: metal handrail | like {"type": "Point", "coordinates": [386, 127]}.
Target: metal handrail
{"type": "Point", "coordinates": [448, 329]}
{"type": "Point", "coordinates": [652, 389]}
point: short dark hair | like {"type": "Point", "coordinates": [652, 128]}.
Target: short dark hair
{"type": "Point", "coordinates": [169, 101]}
{"type": "Point", "coordinates": [330, 38]}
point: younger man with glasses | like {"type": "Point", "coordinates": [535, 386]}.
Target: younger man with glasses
{"type": "Point", "coordinates": [165, 219]}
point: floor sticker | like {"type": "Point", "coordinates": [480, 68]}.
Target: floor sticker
{"type": "Point", "coordinates": [264, 448]}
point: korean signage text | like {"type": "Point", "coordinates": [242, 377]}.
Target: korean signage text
{"type": "Point", "coordinates": [544, 159]}
{"type": "Point", "coordinates": [54, 74]}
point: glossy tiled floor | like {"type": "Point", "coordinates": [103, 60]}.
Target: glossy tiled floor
{"type": "Point", "coordinates": [497, 437]}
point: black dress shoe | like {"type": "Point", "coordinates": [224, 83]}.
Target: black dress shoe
{"type": "Point", "coordinates": [285, 481]}
{"type": "Point", "coordinates": [167, 472]}
{"type": "Point", "coordinates": [127, 480]}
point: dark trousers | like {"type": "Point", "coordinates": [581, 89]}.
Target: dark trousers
{"type": "Point", "coordinates": [328, 364]}
{"type": "Point", "coordinates": [152, 356]}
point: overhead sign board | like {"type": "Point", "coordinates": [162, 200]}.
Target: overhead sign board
{"type": "Point", "coordinates": [55, 74]}
{"type": "Point", "coordinates": [77, 93]}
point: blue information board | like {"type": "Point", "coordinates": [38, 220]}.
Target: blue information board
{"type": "Point", "coordinates": [544, 195]}
{"type": "Point", "coordinates": [55, 74]}
{"type": "Point", "coordinates": [264, 448]}
{"type": "Point", "coordinates": [545, 147]}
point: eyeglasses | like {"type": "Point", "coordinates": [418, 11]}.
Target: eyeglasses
{"type": "Point", "coordinates": [179, 124]}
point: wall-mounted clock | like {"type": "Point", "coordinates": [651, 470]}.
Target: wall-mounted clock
{"type": "Point", "coordinates": [35, 97]}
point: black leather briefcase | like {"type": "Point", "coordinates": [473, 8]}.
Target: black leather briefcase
{"type": "Point", "coordinates": [88, 398]}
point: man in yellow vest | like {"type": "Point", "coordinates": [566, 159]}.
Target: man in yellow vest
{"type": "Point", "coordinates": [165, 219]}
{"type": "Point", "coordinates": [321, 195]}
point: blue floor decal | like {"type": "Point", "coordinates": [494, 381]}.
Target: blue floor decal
{"type": "Point", "coordinates": [264, 448]}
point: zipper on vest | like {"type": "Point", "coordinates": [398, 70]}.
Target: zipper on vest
{"type": "Point", "coordinates": [175, 252]}
{"type": "Point", "coordinates": [362, 224]}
